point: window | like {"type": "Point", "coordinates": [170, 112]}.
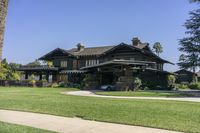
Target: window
{"type": "Point", "coordinates": [97, 61]}
{"type": "Point", "coordinates": [63, 63]}
{"type": "Point", "coordinates": [91, 62]}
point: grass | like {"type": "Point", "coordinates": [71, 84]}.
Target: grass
{"type": "Point", "coordinates": [143, 94]}
{"type": "Point", "coordinates": [172, 115]}
{"type": "Point", "coordinates": [13, 128]}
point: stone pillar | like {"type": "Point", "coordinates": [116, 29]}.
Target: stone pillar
{"type": "Point", "coordinates": [3, 13]}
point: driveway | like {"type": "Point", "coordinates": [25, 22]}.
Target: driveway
{"type": "Point", "coordinates": [71, 125]}
{"type": "Point", "coordinates": [92, 94]}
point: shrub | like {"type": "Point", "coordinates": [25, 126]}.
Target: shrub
{"type": "Point", "coordinates": [182, 86]}
{"type": "Point", "coordinates": [137, 83]}
{"type": "Point", "coordinates": [171, 79]}
{"type": "Point", "coordinates": [194, 85]}
{"type": "Point", "coordinates": [62, 84]}
{"type": "Point", "coordinates": [54, 85]}
{"type": "Point", "coordinates": [86, 82]}
{"type": "Point", "coordinates": [152, 85]}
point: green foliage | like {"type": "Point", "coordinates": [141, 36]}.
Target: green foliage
{"type": "Point", "coordinates": [153, 85]}
{"type": "Point", "coordinates": [50, 63]}
{"type": "Point", "coordinates": [182, 86]}
{"type": "Point", "coordinates": [34, 63]}
{"type": "Point", "coordinates": [195, 86]}
{"type": "Point", "coordinates": [190, 45]}
{"type": "Point", "coordinates": [32, 80]}
{"type": "Point", "coordinates": [171, 79]}
{"type": "Point", "coordinates": [13, 128]}
{"type": "Point", "coordinates": [172, 115]}
{"type": "Point", "coordinates": [8, 71]}
{"type": "Point", "coordinates": [137, 83]}
{"type": "Point", "coordinates": [158, 48]}
{"type": "Point", "coordinates": [144, 93]}
{"type": "Point", "coordinates": [62, 84]}
{"type": "Point", "coordinates": [55, 85]}
{"type": "Point", "coordinates": [193, 1]}
{"type": "Point", "coordinates": [86, 81]}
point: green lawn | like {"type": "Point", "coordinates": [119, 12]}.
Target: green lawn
{"type": "Point", "coordinates": [173, 115]}
{"type": "Point", "coordinates": [142, 94]}
{"type": "Point", "coordinates": [12, 128]}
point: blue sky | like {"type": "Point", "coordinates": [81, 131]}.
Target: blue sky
{"type": "Point", "coordinates": [35, 27]}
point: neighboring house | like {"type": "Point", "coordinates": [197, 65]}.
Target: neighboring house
{"type": "Point", "coordinates": [185, 76]}
{"type": "Point", "coordinates": [116, 65]}
{"type": "Point", "coordinates": [198, 76]}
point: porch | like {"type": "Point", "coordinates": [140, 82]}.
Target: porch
{"type": "Point", "coordinates": [121, 73]}
{"type": "Point", "coordinates": [42, 72]}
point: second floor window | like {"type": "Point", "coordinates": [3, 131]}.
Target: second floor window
{"type": "Point", "coordinates": [63, 63]}
{"type": "Point", "coordinates": [91, 62]}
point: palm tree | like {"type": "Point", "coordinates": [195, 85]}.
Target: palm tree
{"type": "Point", "coordinates": [3, 13]}
{"type": "Point", "coordinates": [157, 48]}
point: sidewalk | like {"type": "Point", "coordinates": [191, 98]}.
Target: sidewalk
{"type": "Point", "coordinates": [92, 94]}
{"type": "Point", "coordinates": [71, 125]}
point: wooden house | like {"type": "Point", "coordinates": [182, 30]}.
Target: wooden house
{"type": "Point", "coordinates": [185, 76]}
{"type": "Point", "coordinates": [116, 64]}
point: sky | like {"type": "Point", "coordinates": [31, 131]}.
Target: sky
{"type": "Point", "coordinates": [35, 27]}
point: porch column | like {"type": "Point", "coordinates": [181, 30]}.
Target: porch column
{"type": "Point", "coordinates": [40, 77]}
{"type": "Point", "coordinates": [54, 77]}
{"type": "Point", "coordinates": [26, 75]}
{"type": "Point", "coordinates": [47, 76]}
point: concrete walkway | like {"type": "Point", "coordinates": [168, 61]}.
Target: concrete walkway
{"type": "Point", "coordinates": [70, 125]}
{"type": "Point", "coordinates": [92, 94]}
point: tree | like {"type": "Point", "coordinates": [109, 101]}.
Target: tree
{"type": "Point", "coordinates": [171, 79]}
{"type": "Point", "coordinates": [157, 48]}
{"type": "Point", "coordinates": [8, 71]}
{"type": "Point", "coordinates": [34, 63]}
{"type": "Point", "coordinates": [190, 45]}
{"type": "Point", "coordinates": [136, 83]}
{"type": "Point", "coordinates": [3, 14]}
{"type": "Point", "coordinates": [192, 1]}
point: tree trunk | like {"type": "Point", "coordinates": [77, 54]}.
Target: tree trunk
{"type": "Point", "coordinates": [3, 13]}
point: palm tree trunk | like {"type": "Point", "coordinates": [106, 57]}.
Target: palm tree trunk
{"type": "Point", "coordinates": [3, 13]}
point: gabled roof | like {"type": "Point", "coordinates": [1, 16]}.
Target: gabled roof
{"type": "Point", "coordinates": [184, 70]}
{"type": "Point", "coordinates": [55, 52]}
{"type": "Point", "coordinates": [143, 51]}
{"type": "Point", "coordinates": [99, 51]}
{"type": "Point", "coordinates": [90, 51]}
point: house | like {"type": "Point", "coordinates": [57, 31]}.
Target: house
{"type": "Point", "coordinates": [116, 65]}
{"type": "Point", "coordinates": [198, 76]}
{"type": "Point", "coordinates": [185, 76]}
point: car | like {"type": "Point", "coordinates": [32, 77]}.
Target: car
{"type": "Point", "coordinates": [107, 87]}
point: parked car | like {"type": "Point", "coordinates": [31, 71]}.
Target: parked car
{"type": "Point", "coordinates": [107, 87]}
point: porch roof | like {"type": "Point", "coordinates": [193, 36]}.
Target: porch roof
{"type": "Point", "coordinates": [119, 62]}
{"type": "Point", "coordinates": [161, 71]}
{"type": "Point", "coordinates": [73, 71]}
{"type": "Point", "coordinates": [37, 68]}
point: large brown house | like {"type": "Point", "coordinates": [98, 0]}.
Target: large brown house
{"type": "Point", "coordinates": [116, 65]}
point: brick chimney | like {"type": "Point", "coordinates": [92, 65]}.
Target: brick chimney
{"type": "Point", "coordinates": [136, 41]}
{"type": "Point", "coordinates": [80, 47]}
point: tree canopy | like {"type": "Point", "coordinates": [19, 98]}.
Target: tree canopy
{"type": "Point", "coordinates": [157, 48]}
{"type": "Point", "coordinates": [190, 45]}
{"type": "Point", "coordinates": [8, 71]}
